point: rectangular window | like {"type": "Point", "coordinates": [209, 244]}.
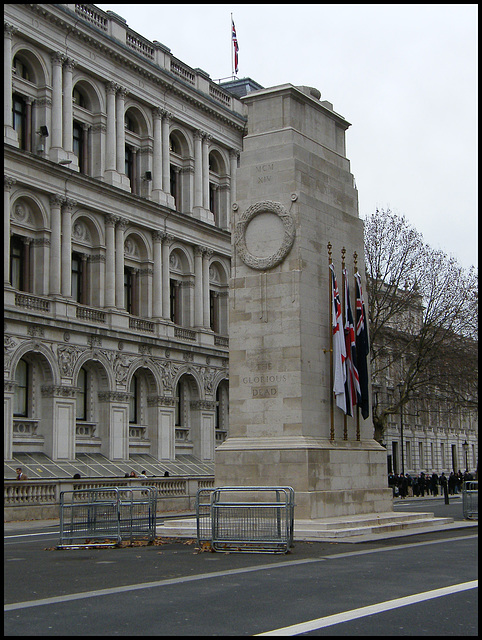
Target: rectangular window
{"type": "Point", "coordinates": [81, 402]}
{"type": "Point", "coordinates": [175, 296]}
{"type": "Point", "coordinates": [128, 290]}
{"type": "Point", "coordinates": [17, 262]}
{"type": "Point", "coordinates": [78, 144]}
{"type": "Point", "coordinates": [21, 389]}
{"type": "Point", "coordinates": [19, 119]}
{"type": "Point", "coordinates": [77, 277]}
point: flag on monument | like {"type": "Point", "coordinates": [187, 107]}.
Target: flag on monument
{"type": "Point", "coordinates": [339, 352]}
{"type": "Point", "coordinates": [235, 45]}
{"type": "Point", "coordinates": [352, 384]}
{"type": "Point", "coordinates": [362, 348]}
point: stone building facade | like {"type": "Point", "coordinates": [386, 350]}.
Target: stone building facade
{"type": "Point", "coordinates": [120, 173]}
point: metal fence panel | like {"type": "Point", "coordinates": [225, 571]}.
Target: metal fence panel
{"type": "Point", "coordinates": [107, 514]}
{"type": "Point", "coordinates": [256, 519]}
{"type": "Point", "coordinates": [470, 500]}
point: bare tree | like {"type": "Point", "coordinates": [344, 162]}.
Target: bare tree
{"type": "Point", "coordinates": [422, 310]}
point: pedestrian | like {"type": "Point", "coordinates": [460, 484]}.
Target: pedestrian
{"type": "Point", "coordinates": [76, 476]}
{"type": "Point", "coordinates": [403, 486]}
{"type": "Point", "coordinates": [143, 474]}
{"type": "Point", "coordinates": [451, 483]}
{"type": "Point", "coordinates": [434, 484]}
{"type": "Point", "coordinates": [20, 474]}
{"type": "Point", "coordinates": [421, 483]}
{"type": "Point", "coordinates": [133, 474]}
{"type": "Point", "coordinates": [444, 485]}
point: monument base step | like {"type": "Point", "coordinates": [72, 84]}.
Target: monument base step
{"type": "Point", "coordinates": [359, 528]}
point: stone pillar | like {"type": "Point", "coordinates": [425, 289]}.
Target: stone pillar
{"type": "Point", "coordinates": [205, 171]}
{"type": "Point", "coordinates": [198, 169]}
{"type": "Point", "coordinates": [7, 185]}
{"type": "Point", "coordinates": [157, 275]}
{"type": "Point", "coordinates": [119, 262]}
{"type": "Point", "coordinates": [67, 111]}
{"type": "Point", "coordinates": [110, 152]}
{"type": "Point", "coordinates": [206, 303]}
{"type": "Point", "coordinates": [109, 299]}
{"type": "Point", "coordinates": [66, 247]}
{"type": "Point", "coordinates": [157, 153]}
{"type": "Point", "coordinates": [120, 130]}
{"type": "Point", "coordinates": [56, 152]}
{"type": "Point", "coordinates": [280, 428]}
{"type": "Point", "coordinates": [166, 175]}
{"type": "Point", "coordinates": [10, 135]}
{"type": "Point", "coordinates": [166, 289]}
{"type": "Point", "coordinates": [198, 286]}
{"type": "Point", "coordinates": [56, 202]}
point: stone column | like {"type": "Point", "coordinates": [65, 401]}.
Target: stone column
{"type": "Point", "coordinates": [109, 300]}
{"type": "Point", "coordinates": [9, 133]}
{"type": "Point", "coordinates": [157, 276]}
{"type": "Point", "coordinates": [56, 202]}
{"type": "Point", "coordinates": [198, 286]}
{"type": "Point", "coordinates": [7, 185]}
{"type": "Point", "coordinates": [66, 247]}
{"type": "Point", "coordinates": [206, 305]}
{"type": "Point", "coordinates": [119, 262]}
{"type": "Point", "coordinates": [157, 152]}
{"type": "Point", "coordinates": [198, 169]}
{"type": "Point", "coordinates": [67, 111]}
{"type": "Point", "coordinates": [166, 175]}
{"type": "Point", "coordinates": [205, 171]}
{"type": "Point", "coordinates": [166, 290]}
{"type": "Point", "coordinates": [120, 130]}
{"type": "Point", "coordinates": [56, 123]}
{"type": "Point", "coordinates": [110, 152]}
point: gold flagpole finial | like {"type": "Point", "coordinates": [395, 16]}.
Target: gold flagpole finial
{"type": "Point", "coordinates": [329, 252]}
{"type": "Point", "coordinates": [355, 256]}
{"type": "Point", "coordinates": [343, 251]}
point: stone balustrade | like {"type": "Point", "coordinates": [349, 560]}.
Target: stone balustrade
{"type": "Point", "coordinates": [39, 499]}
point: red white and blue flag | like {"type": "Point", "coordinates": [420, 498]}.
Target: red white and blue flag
{"type": "Point", "coordinates": [339, 350]}
{"type": "Point", "coordinates": [352, 384]}
{"type": "Point", "coordinates": [235, 45]}
{"type": "Point", "coordinates": [362, 348]}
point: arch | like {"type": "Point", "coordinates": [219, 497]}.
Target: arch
{"type": "Point", "coordinates": [36, 208]}
{"type": "Point", "coordinates": [193, 376]}
{"type": "Point", "coordinates": [94, 97]}
{"type": "Point", "coordinates": [140, 247]}
{"type": "Point", "coordinates": [102, 367]}
{"type": "Point", "coordinates": [185, 263]}
{"type": "Point", "coordinates": [218, 272]}
{"type": "Point", "coordinates": [38, 352]}
{"type": "Point", "coordinates": [144, 364]}
{"type": "Point", "coordinates": [91, 233]}
{"type": "Point", "coordinates": [36, 65]}
{"type": "Point", "coordinates": [139, 119]}
{"type": "Point", "coordinates": [180, 143]}
{"type": "Point", "coordinates": [218, 163]}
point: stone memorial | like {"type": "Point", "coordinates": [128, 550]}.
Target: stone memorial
{"type": "Point", "coordinates": [295, 195]}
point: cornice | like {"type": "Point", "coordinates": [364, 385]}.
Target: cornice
{"type": "Point", "coordinates": [122, 54]}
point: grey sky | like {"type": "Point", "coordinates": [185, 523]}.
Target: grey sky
{"type": "Point", "coordinates": [404, 76]}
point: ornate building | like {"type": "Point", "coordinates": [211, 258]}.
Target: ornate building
{"type": "Point", "coordinates": [120, 173]}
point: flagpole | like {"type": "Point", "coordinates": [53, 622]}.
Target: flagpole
{"type": "Point", "coordinates": [355, 256]}
{"type": "Point", "coordinates": [332, 400]}
{"type": "Point", "coordinates": [343, 284]}
{"type": "Point", "coordinates": [232, 47]}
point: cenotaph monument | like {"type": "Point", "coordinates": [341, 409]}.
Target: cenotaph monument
{"type": "Point", "coordinates": [295, 195]}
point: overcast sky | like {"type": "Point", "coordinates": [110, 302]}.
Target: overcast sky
{"type": "Point", "coordinates": [403, 75]}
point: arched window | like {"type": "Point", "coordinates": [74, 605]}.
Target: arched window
{"type": "Point", "coordinates": [77, 292]}
{"type": "Point", "coordinates": [21, 405]}
{"type": "Point", "coordinates": [17, 263]}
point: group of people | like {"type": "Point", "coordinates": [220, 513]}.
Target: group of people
{"type": "Point", "coordinates": [406, 485]}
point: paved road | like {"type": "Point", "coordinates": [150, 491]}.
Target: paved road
{"type": "Point", "coordinates": [417, 585]}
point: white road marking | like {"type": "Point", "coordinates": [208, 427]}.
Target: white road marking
{"type": "Point", "coordinates": [345, 616]}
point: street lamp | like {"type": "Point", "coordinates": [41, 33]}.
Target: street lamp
{"type": "Point", "coordinates": [465, 447]}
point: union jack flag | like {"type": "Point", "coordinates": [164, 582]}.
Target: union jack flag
{"type": "Point", "coordinates": [235, 45]}
{"type": "Point", "coordinates": [362, 348]}
{"type": "Point", "coordinates": [339, 350]}
{"type": "Point", "coordinates": [352, 385]}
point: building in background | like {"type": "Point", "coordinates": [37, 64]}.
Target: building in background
{"type": "Point", "coordinates": [120, 173]}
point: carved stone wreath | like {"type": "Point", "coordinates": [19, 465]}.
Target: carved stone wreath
{"type": "Point", "coordinates": [268, 262]}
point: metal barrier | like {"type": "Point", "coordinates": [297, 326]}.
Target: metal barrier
{"type": "Point", "coordinates": [470, 500]}
{"type": "Point", "coordinates": [256, 519]}
{"type": "Point", "coordinates": [107, 514]}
